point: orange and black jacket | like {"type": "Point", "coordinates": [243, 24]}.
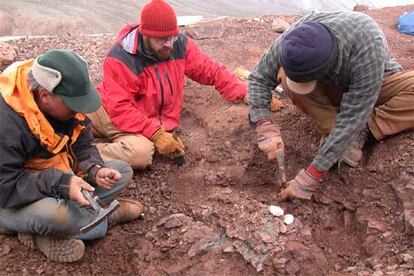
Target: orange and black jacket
{"type": "Point", "coordinates": [38, 155]}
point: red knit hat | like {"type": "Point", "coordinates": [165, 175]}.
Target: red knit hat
{"type": "Point", "coordinates": [158, 19]}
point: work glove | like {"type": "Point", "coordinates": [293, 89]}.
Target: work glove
{"type": "Point", "coordinates": [269, 139]}
{"type": "Point", "coordinates": [303, 186]}
{"type": "Point", "coordinates": [166, 143]}
{"type": "Point", "coordinates": [243, 74]}
{"type": "Point", "coordinates": [275, 105]}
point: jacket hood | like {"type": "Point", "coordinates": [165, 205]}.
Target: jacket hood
{"type": "Point", "coordinates": [127, 38]}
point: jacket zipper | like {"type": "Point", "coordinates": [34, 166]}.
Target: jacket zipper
{"type": "Point", "coordinates": [169, 82]}
{"type": "Point", "coordinates": [162, 92]}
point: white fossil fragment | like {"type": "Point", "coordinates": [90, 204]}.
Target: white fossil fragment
{"type": "Point", "coordinates": [276, 211]}
{"type": "Point", "coordinates": [288, 219]}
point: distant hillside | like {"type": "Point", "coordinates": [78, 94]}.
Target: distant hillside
{"type": "Point", "coordinates": [28, 17]}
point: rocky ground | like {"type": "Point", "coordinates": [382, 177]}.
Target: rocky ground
{"type": "Point", "coordinates": [210, 216]}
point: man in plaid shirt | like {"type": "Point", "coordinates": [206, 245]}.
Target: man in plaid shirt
{"type": "Point", "coordinates": [336, 67]}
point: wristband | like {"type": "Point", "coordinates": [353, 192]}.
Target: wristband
{"type": "Point", "coordinates": [315, 173]}
{"type": "Point", "coordinates": [263, 121]}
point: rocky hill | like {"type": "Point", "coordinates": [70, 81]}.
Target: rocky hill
{"type": "Point", "coordinates": [28, 17]}
{"type": "Point", "coordinates": [211, 217]}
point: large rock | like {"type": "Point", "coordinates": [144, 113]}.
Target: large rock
{"type": "Point", "coordinates": [6, 24]}
{"type": "Point", "coordinates": [174, 221]}
{"type": "Point", "coordinates": [279, 25]}
{"type": "Point", "coordinates": [207, 29]}
{"type": "Point", "coordinates": [406, 195]}
{"type": "Point", "coordinates": [7, 55]}
{"type": "Point", "coordinates": [361, 8]}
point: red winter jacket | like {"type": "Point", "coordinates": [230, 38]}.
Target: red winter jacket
{"type": "Point", "coordinates": [141, 93]}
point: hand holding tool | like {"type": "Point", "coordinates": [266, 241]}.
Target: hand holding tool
{"type": "Point", "coordinates": [99, 212]}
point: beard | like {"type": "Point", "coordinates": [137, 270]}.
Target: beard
{"type": "Point", "coordinates": [163, 53]}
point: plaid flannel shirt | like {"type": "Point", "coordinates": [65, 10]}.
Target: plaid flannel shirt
{"type": "Point", "coordinates": [363, 62]}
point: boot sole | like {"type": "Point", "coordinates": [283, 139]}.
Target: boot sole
{"type": "Point", "coordinates": [66, 251]}
{"type": "Point", "coordinates": [27, 240]}
{"type": "Point", "coordinates": [62, 251]}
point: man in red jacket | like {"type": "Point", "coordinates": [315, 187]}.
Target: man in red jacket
{"type": "Point", "coordinates": [143, 85]}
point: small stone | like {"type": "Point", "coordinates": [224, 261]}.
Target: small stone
{"type": "Point", "coordinates": [5, 250]}
{"type": "Point", "coordinates": [276, 211]}
{"type": "Point", "coordinates": [377, 267]}
{"type": "Point", "coordinates": [288, 219]}
{"type": "Point", "coordinates": [306, 233]}
{"type": "Point", "coordinates": [337, 267]}
{"type": "Point", "coordinates": [349, 218]}
{"type": "Point", "coordinates": [152, 210]}
{"type": "Point", "coordinates": [406, 266]}
{"type": "Point", "coordinates": [282, 228]}
{"type": "Point", "coordinates": [373, 262]}
{"type": "Point", "coordinates": [228, 249]}
{"type": "Point", "coordinates": [279, 264]}
{"type": "Point", "coordinates": [40, 270]}
{"type": "Point", "coordinates": [64, 272]}
{"type": "Point", "coordinates": [25, 272]}
{"type": "Point", "coordinates": [266, 238]}
{"type": "Point", "coordinates": [378, 225]}
{"type": "Point", "coordinates": [292, 268]}
{"type": "Point", "coordinates": [132, 185]}
{"type": "Point", "coordinates": [173, 223]}
{"type": "Point", "coordinates": [378, 273]}
{"type": "Point", "coordinates": [280, 261]}
{"type": "Point", "coordinates": [391, 268]}
{"type": "Point", "coordinates": [387, 234]}
{"type": "Point", "coordinates": [407, 258]}
{"type": "Point", "coordinates": [372, 169]}
{"type": "Point", "coordinates": [349, 269]}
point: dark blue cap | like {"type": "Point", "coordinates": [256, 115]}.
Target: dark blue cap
{"type": "Point", "coordinates": [308, 52]}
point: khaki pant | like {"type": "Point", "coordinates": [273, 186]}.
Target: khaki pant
{"type": "Point", "coordinates": [393, 111]}
{"type": "Point", "coordinates": [113, 144]}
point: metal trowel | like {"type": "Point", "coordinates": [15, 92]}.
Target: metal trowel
{"type": "Point", "coordinates": [99, 212]}
{"type": "Point", "coordinates": [280, 156]}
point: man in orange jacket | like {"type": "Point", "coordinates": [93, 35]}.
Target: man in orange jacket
{"type": "Point", "coordinates": [47, 157]}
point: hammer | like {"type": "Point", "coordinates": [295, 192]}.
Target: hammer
{"type": "Point", "coordinates": [99, 212]}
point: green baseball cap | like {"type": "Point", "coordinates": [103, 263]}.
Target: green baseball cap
{"type": "Point", "coordinates": [64, 73]}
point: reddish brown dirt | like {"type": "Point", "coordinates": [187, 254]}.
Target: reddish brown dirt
{"type": "Point", "coordinates": [218, 200]}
